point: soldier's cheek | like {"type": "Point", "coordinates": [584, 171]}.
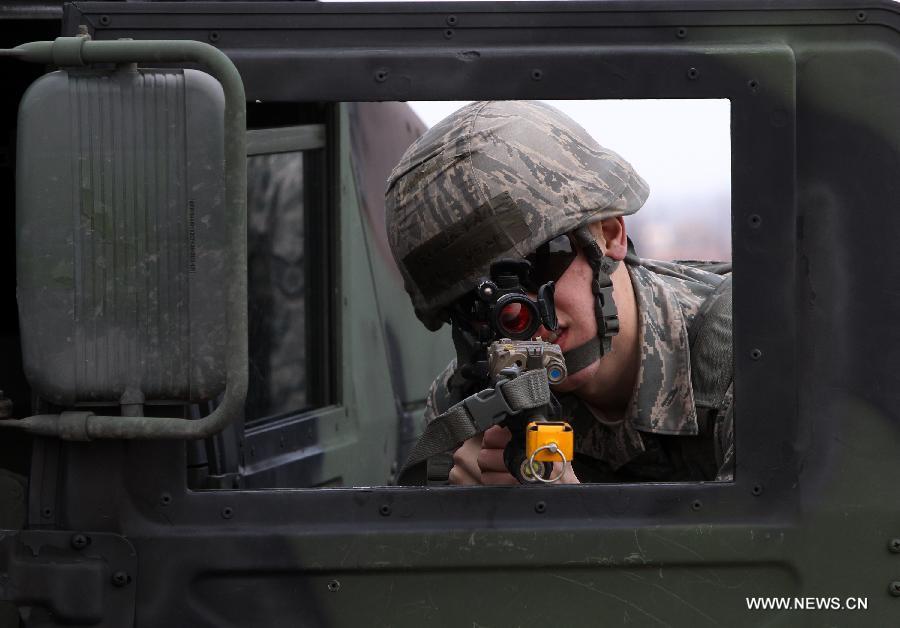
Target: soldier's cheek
{"type": "Point", "coordinates": [583, 326]}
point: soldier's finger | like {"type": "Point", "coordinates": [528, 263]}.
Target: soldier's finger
{"type": "Point", "coordinates": [468, 450]}
{"type": "Point", "coordinates": [496, 437]}
{"type": "Point", "coordinates": [568, 476]}
{"type": "Point", "coordinates": [491, 460]}
{"type": "Point", "coordinates": [466, 457]}
{"type": "Point", "coordinates": [495, 478]}
{"type": "Point", "coordinates": [467, 467]}
{"type": "Point", "coordinates": [459, 476]}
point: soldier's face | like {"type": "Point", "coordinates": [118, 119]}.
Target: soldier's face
{"type": "Point", "coordinates": [575, 305]}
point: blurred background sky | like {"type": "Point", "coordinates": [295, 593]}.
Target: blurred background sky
{"type": "Point", "coordinates": [681, 147]}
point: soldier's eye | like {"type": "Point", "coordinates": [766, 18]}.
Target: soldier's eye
{"type": "Point", "coordinates": [551, 260]}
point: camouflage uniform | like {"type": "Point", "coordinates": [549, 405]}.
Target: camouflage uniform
{"type": "Point", "coordinates": [666, 434]}
{"type": "Point", "coordinates": [497, 180]}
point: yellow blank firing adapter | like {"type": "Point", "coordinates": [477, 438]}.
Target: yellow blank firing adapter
{"type": "Point", "coordinates": [539, 436]}
{"type": "Point", "coordinates": [550, 441]}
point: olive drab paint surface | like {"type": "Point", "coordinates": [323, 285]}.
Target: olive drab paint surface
{"type": "Point", "coordinates": [290, 520]}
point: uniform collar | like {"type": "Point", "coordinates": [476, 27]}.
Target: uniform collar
{"type": "Point", "coordinates": [663, 397]}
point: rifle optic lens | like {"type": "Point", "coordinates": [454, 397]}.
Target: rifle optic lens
{"type": "Point", "coordinates": [514, 318]}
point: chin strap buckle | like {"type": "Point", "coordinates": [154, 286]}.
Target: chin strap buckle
{"type": "Point", "coordinates": [605, 306]}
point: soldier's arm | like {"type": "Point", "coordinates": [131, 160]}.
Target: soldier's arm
{"type": "Point", "coordinates": [724, 437]}
{"type": "Point", "coordinates": [439, 397]}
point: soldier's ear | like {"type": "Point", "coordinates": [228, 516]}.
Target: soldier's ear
{"type": "Point", "coordinates": [610, 234]}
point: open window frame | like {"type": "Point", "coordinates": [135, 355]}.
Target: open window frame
{"type": "Point", "coordinates": [759, 82]}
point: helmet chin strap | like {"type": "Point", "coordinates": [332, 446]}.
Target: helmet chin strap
{"type": "Point", "coordinates": [604, 305]}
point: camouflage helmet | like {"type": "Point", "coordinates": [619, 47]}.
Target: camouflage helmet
{"type": "Point", "coordinates": [496, 179]}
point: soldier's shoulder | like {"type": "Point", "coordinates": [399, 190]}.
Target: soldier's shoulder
{"type": "Point", "coordinates": [710, 273]}
{"type": "Point", "coordinates": [440, 396]}
{"type": "Point", "coordinates": [690, 282]}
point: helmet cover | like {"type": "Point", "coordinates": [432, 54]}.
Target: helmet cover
{"type": "Point", "coordinates": [496, 179]}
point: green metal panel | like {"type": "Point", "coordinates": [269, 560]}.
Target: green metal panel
{"type": "Point", "coordinates": [813, 507]}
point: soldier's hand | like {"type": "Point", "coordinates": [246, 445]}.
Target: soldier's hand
{"type": "Point", "coordinates": [568, 477]}
{"type": "Point", "coordinates": [480, 459]}
{"type": "Point", "coordinates": [465, 463]}
{"type": "Point", "coordinates": [490, 458]}
{"type": "Point", "coordinates": [493, 468]}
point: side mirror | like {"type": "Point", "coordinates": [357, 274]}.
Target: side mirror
{"type": "Point", "coordinates": [131, 237]}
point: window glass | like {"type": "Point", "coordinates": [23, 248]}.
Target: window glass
{"type": "Point", "coordinates": [277, 291]}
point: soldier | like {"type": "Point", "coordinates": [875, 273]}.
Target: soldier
{"type": "Point", "coordinates": [647, 343]}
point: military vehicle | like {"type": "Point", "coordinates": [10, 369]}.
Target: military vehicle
{"type": "Point", "coordinates": [144, 483]}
